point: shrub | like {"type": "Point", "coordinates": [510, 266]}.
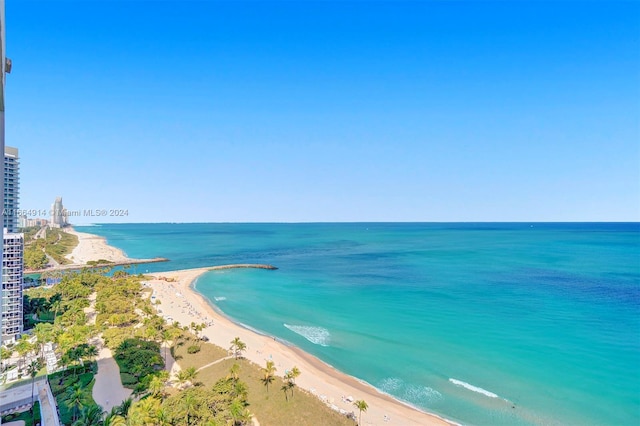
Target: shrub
{"type": "Point", "coordinates": [128, 379]}
{"type": "Point", "coordinates": [193, 349]}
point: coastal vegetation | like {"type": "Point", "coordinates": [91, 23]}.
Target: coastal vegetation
{"type": "Point", "coordinates": [59, 244]}
{"type": "Point", "coordinates": [214, 385]}
{"type": "Point", "coordinates": [73, 391]}
{"type": "Point", "coordinates": [56, 244]}
{"type": "Point", "coordinates": [34, 257]}
{"type": "Point", "coordinates": [361, 405]}
{"type": "Point", "coordinates": [269, 407]}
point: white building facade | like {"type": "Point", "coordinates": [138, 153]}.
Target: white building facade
{"type": "Point", "coordinates": [11, 189]}
{"type": "Point", "coordinates": [12, 286]}
{"type": "Point", "coordinates": [12, 250]}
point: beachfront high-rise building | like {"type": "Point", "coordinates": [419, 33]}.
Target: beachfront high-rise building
{"type": "Point", "coordinates": [12, 250]}
{"type": "Point", "coordinates": [59, 217]}
{"type": "Point", "coordinates": [5, 66]}
{"type": "Point", "coordinates": [2, 62]}
{"type": "Point", "coordinates": [12, 285]}
{"type": "Point", "coordinates": [11, 189]}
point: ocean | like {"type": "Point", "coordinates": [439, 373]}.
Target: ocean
{"type": "Point", "coordinates": [483, 324]}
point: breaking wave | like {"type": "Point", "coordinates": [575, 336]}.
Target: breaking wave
{"type": "Point", "coordinates": [390, 384]}
{"type": "Point", "coordinates": [419, 395]}
{"type": "Point", "coordinates": [317, 335]}
{"type": "Point", "coordinates": [473, 388]}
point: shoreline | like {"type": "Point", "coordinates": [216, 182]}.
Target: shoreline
{"type": "Point", "coordinates": [93, 247]}
{"type": "Point", "coordinates": [181, 302]}
{"type": "Point", "coordinates": [318, 378]}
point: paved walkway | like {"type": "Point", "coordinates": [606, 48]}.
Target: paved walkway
{"type": "Point", "coordinates": [48, 409]}
{"type": "Point", "coordinates": [215, 362]}
{"type": "Point", "coordinates": [108, 391]}
{"type": "Point", "coordinates": [170, 363]}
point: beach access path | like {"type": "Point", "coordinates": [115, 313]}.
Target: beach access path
{"type": "Point", "coordinates": [108, 391]}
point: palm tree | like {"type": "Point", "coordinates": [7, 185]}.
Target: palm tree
{"type": "Point", "coordinates": [285, 389]}
{"type": "Point", "coordinates": [114, 417]}
{"type": "Point", "coordinates": [75, 399]}
{"type": "Point", "coordinates": [240, 389]}
{"type": "Point", "coordinates": [5, 353]}
{"type": "Point", "coordinates": [237, 346]}
{"type": "Point", "coordinates": [182, 378]}
{"type": "Point", "coordinates": [91, 416]}
{"type": "Point", "coordinates": [91, 352]}
{"type": "Point", "coordinates": [267, 380]}
{"type": "Point", "coordinates": [362, 406]}
{"type": "Point", "coordinates": [269, 372]}
{"type": "Point", "coordinates": [191, 373]}
{"type": "Point", "coordinates": [187, 375]}
{"type": "Point", "coordinates": [197, 328]}
{"type": "Point", "coordinates": [33, 372]}
{"type": "Point", "coordinates": [143, 412]}
{"type": "Point", "coordinates": [156, 386]}
{"type": "Point", "coordinates": [290, 382]}
{"type": "Point", "coordinates": [234, 372]}
{"type": "Point", "coordinates": [162, 418]}
{"type": "Point", "coordinates": [190, 403]}
{"type": "Point", "coordinates": [239, 413]}
{"type": "Point", "coordinates": [44, 333]}
{"type": "Point", "coordinates": [166, 336]}
{"type": "Point", "coordinates": [23, 347]}
{"type": "Point", "coordinates": [294, 373]}
{"type": "Point", "coordinates": [123, 409]}
{"type": "Point", "coordinates": [56, 305]}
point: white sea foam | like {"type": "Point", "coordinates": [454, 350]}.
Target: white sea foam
{"type": "Point", "coordinates": [219, 298]}
{"type": "Point", "coordinates": [421, 394]}
{"type": "Point", "coordinates": [318, 335]}
{"type": "Point", "coordinates": [413, 394]}
{"type": "Point", "coordinates": [390, 384]}
{"type": "Point", "coordinates": [473, 388]}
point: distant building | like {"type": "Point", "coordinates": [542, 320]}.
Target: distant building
{"type": "Point", "coordinates": [25, 222]}
{"type": "Point", "coordinates": [12, 285]}
{"type": "Point", "coordinates": [11, 189]}
{"type": "Point", "coordinates": [59, 217]}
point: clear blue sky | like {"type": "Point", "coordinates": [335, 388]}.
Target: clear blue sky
{"type": "Point", "coordinates": [328, 111]}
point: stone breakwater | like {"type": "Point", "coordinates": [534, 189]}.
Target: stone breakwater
{"type": "Point", "coordinates": [243, 265]}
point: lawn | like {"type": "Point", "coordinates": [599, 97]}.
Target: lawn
{"type": "Point", "coordinates": [270, 407]}
{"type": "Point", "coordinates": [208, 353]}
{"type": "Point", "coordinates": [62, 381]}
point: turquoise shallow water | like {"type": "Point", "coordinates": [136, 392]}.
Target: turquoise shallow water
{"type": "Point", "coordinates": [485, 324]}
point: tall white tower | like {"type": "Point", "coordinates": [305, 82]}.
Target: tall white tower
{"type": "Point", "coordinates": [11, 188]}
{"type": "Point", "coordinates": [3, 62]}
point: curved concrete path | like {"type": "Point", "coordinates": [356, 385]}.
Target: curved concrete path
{"type": "Point", "coordinates": [108, 391]}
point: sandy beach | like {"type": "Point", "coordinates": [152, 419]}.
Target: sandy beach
{"type": "Point", "coordinates": [93, 247]}
{"type": "Point", "coordinates": [179, 302]}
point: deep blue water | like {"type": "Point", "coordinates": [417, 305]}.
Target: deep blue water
{"type": "Point", "coordinates": [485, 323]}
